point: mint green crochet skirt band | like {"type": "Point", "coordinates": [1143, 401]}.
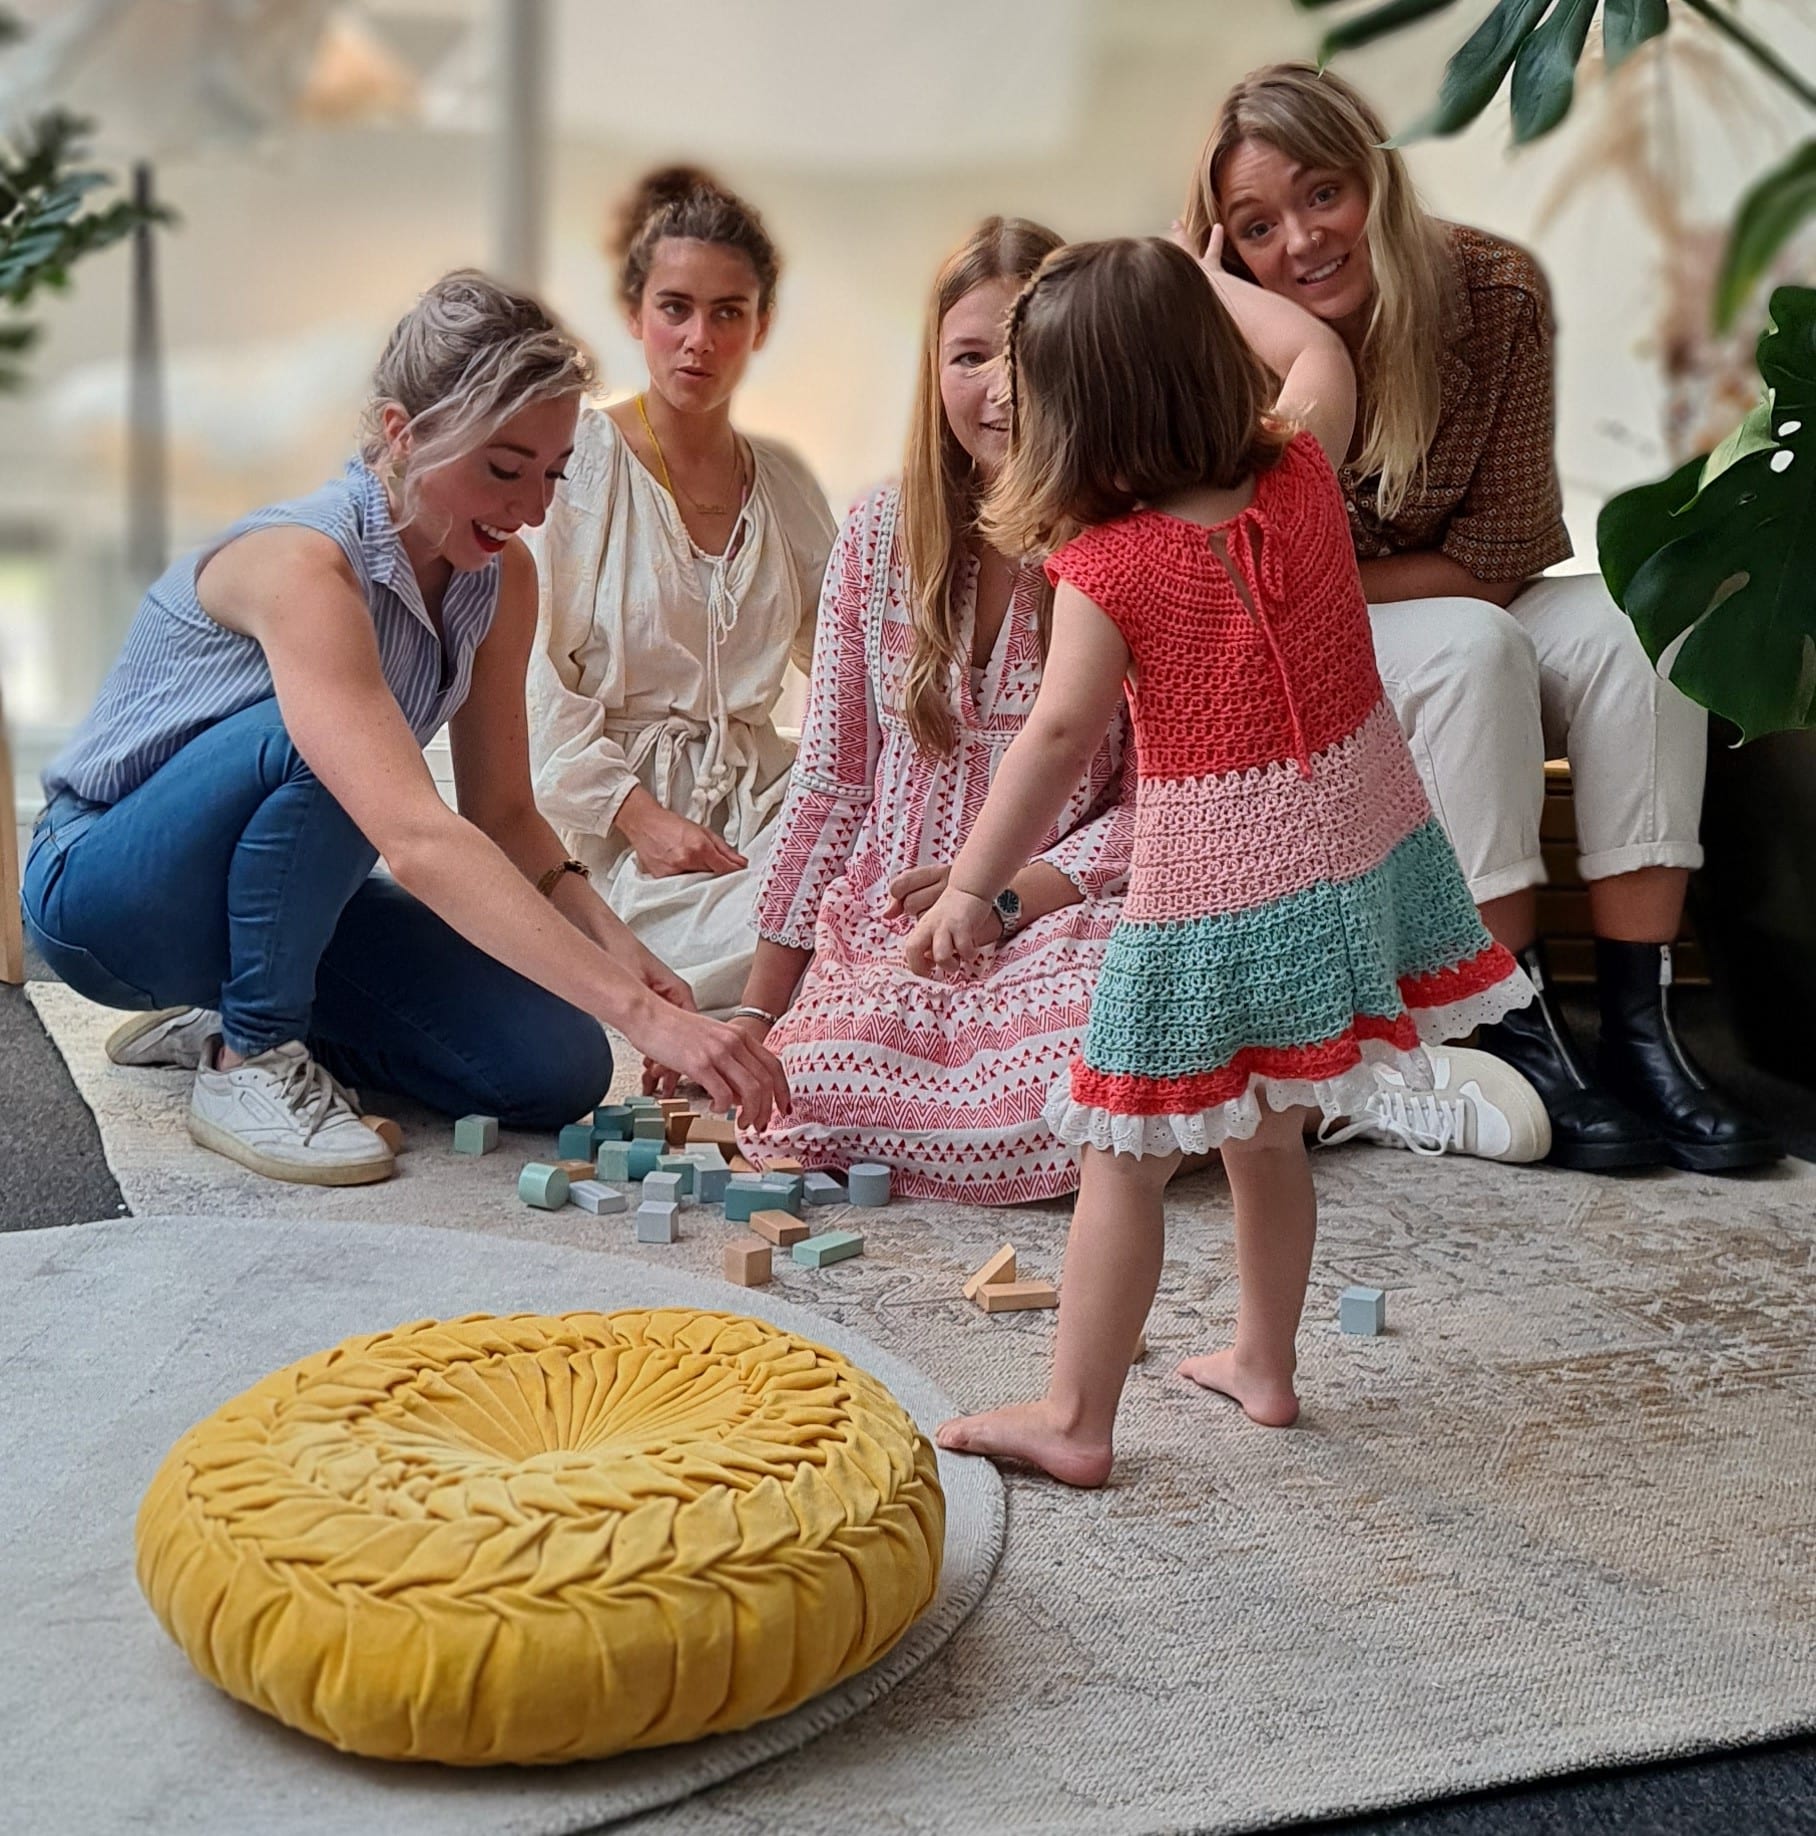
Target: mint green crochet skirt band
{"type": "Point", "coordinates": [1178, 999]}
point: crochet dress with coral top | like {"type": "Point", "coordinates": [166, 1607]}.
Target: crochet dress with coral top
{"type": "Point", "coordinates": [1295, 916]}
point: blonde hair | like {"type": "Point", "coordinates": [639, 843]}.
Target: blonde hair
{"type": "Point", "coordinates": [941, 490]}
{"type": "Point", "coordinates": [1129, 383]}
{"type": "Point", "coordinates": [1317, 119]}
{"type": "Point", "coordinates": [461, 362]}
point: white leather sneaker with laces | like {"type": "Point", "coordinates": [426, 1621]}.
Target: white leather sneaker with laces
{"type": "Point", "coordinates": [171, 1036]}
{"type": "Point", "coordinates": [283, 1115]}
{"type": "Point", "coordinates": [1478, 1105]}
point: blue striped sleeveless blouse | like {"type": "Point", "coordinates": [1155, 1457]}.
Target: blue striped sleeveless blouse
{"type": "Point", "coordinates": [180, 672]}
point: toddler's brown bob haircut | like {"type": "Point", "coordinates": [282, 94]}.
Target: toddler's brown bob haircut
{"type": "Point", "coordinates": [1129, 383]}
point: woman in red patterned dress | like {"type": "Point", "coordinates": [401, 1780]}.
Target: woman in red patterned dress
{"type": "Point", "coordinates": [928, 656]}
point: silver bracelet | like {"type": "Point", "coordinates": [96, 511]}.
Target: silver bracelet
{"type": "Point", "coordinates": [752, 1013]}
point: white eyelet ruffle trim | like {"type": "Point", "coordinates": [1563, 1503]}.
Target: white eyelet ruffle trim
{"type": "Point", "coordinates": [1085, 1125]}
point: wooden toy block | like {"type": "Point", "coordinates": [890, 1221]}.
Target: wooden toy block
{"type": "Point", "coordinates": [543, 1186]}
{"type": "Point", "coordinates": [710, 1184]}
{"type": "Point", "coordinates": [649, 1125]}
{"type": "Point", "coordinates": [641, 1101]}
{"type": "Point", "coordinates": [656, 1223]}
{"type": "Point", "coordinates": [680, 1127]}
{"type": "Point", "coordinates": [1000, 1268]}
{"type": "Point", "coordinates": [705, 1154]}
{"type": "Point", "coordinates": [1017, 1296]}
{"type": "Point", "coordinates": [643, 1158]}
{"type": "Point", "coordinates": [744, 1197]}
{"type": "Point", "coordinates": [387, 1131]}
{"type": "Point", "coordinates": [783, 1191]}
{"type": "Point", "coordinates": [611, 1122]}
{"type": "Point", "coordinates": [713, 1129]}
{"type": "Point", "coordinates": [867, 1184]}
{"type": "Point", "coordinates": [663, 1189]}
{"type": "Point", "coordinates": [1362, 1311]}
{"type": "Point", "coordinates": [597, 1199]}
{"type": "Point", "coordinates": [739, 1164]}
{"type": "Point", "coordinates": [821, 1189]}
{"type": "Point", "coordinates": [829, 1246]}
{"type": "Point", "coordinates": [683, 1169]}
{"type": "Point", "coordinates": [576, 1169]}
{"type": "Point", "coordinates": [747, 1262]}
{"type": "Point", "coordinates": [780, 1228]}
{"type": "Point", "coordinates": [475, 1134]}
{"type": "Point", "coordinates": [575, 1142]}
{"type": "Point", "coordinates": [613, 1163]}
{"type": "Point", "coordinates": [783, 1166]}
{"type": "Point", "coordinates": [674, 1106]}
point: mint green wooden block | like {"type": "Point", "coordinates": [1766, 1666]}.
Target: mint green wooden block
{"type": "Point", "coordinates": [543, 1186]}
{"type": "Point", "coordinates": [612, 1122]}
{"type": "Point", "coordinates": [475, 1134]}
{"type": "Point", "coordinates": [644, 1155]}
{"type": "Point", "coordinates": [575, 1142]}
{"type": "Point", "coordinates": [680, 1165]}
{"type": "Point", "coordinates": [745, 1197]}
{"type": "Point", "coordinates": [613, 1162]}
{"type": "Point", "coordinates": [829, 1246]}
{"type": "Point", "coordinates": [649, 1125]}
{"type": "Point", "coordinates": [784, 1192]}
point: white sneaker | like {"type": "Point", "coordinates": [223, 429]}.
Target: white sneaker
{"type": "Point", "coordinates": [1478, 1104]}
{"type": "Point", "coordinates": [282, 1115]}
{"type": "Point", "coordinates": [171, 1036]}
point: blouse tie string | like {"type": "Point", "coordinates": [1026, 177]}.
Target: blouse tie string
{"type": "Point", "coordinates": [1266, 586]}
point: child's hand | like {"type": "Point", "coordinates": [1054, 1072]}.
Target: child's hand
{"type": "Point", "coordinates": [953, 935]}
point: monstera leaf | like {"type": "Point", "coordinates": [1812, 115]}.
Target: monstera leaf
{"type": "Point", "coordinates": [1716, 565]}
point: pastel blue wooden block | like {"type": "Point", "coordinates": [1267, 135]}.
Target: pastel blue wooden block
{"type": "Point", "coordinates": [543, 1186]}
{"type": "Point", "coordinates": [642, 1100]}
{"type": "Point", "coordinates": [656, 1223]}
{"type": "Point", "coordinates": [613, 1162]}
{"type": "Point", "coordinates": [575, 1142]}
{"type": "Point", "coordinates": [1362, 1311]}
{"type": "Point", "coordinates": [649, 1125]}
{"type": "Point", "coordinates": [706, 1154]}
{"type": "Point", "coordinates": [475, 1134]}
{"type": "Point", "coordinates": [612, 1122]}
{"type": "Point", "coordinates": [597, 1199]}
{"type": "Point", "coordinates": [682, 1168]}
{"type": "Point", "coordinates": [644, 1155]}
{"type": "Point", "coordinates": [822, 1189]}
{"type": "Point", "coordinates": [662, 1189]}
{"type": "Point", "coordinates": [829, 1246]}
{"type": "Point", "coordinates": [868, 1184]}
{"type": "Point", "coordinates": [710, 1184]}
{"type": "Point", "coordinates": [745, 1197]}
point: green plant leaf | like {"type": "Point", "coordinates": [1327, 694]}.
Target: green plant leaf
{"type": "Point", "coordinates": [1474, 74]}
{"type": "Point", "coordinates": [1377, 22]}
{"type": "Point", "coordinates": [1544, 71]}
{"type": "Point", "coordinates": [1627, 24]}
{"type": "Point", "coordinates": [1768, 215]}
{"type": "Point", "coordinates": [1753, 435]}
{"type": "Point", "coordinates": [1716, 565]}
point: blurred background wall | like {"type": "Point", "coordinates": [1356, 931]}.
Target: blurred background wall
{"type": "Point", "coordinates": [328, 160]}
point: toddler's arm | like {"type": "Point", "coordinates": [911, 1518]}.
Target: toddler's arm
{"type": "Point", "coordinates": [1086, 662]}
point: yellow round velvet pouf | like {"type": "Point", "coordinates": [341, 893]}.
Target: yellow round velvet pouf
{"type": "Point", "coordinates": [530, 1539]}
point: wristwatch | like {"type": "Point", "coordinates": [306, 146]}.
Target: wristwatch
{"type": "Point", "coordinates": [1008, 908]}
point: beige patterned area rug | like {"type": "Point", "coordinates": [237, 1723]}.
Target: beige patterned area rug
{"type": "Point", "coordinates": [1562, 1514]}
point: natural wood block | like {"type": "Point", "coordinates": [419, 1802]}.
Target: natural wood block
{"type": "Point", "coordinates": [739, 1164]}
{"type": "Point", "coordinates": [393, 1137]}
{"type": "Point", "coordinates": [779, 1228]}
{"type": "Point", "coordinates": [747, 1262]}
{"type": "Point", "coordinates": [714, 1129]}
{"type": "Point", "coordinates": [1018, 1296]}
{"type": "Point", "coordinates": [783, 1166]}
{"type": "Point", "coordinates": [576, 1169]}
{"type": "Point", "coordinates": [1000, 1268]}
{"type": "Point", "coordinates": [680, 1127]}
{"type": "Point", "coordinates": [674, 1106]}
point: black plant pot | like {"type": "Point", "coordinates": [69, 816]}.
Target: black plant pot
{"type": "Point", "coordinates": [1755, 898]}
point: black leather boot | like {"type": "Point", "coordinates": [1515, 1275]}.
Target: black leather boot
{"type": "Point", "coordinates": [1590, 1130]}
{"type": "Point", "coordinates": [1643, 1063]}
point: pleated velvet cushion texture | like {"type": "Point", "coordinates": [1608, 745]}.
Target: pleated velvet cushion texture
{"type": "Point", "coordinates": [534, 1539]}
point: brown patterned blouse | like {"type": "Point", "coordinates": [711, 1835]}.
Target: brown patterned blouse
{"type": "Point", "coordinates": [1489, 497]}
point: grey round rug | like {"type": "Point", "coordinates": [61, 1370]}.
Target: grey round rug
{"type": "Point", "coordinates": [117, 1337]}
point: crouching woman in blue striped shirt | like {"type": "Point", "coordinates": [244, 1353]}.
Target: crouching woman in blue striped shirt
{"type": "Point", "coordinates": [206, 855]}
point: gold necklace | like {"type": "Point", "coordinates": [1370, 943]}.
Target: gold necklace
{"type": "Point", "coordinates": [668, 484]}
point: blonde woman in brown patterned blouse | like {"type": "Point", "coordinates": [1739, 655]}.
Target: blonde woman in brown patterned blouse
{"type": "Point", "coordinates": [1456, 510]}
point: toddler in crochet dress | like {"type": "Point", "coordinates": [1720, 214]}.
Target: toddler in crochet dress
{"type": "Point", "coordinates": [1295, 917]}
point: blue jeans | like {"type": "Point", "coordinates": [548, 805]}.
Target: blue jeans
{"type": "Point", "coordinates": [231, 879]}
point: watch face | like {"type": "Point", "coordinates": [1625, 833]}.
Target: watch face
{"type": "Point", "coordinates": [1008, 905]}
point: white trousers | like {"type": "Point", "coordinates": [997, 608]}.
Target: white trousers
{"type": "Point", "coordinates": [1485, 697]}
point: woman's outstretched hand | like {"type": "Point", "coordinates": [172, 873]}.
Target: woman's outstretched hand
{"type": "Point", "coordinates": [953, 934]}
{"type": "Point", "coordinates": [915, 891]}
{"type": "Point", "coordinates": [731, 1067]}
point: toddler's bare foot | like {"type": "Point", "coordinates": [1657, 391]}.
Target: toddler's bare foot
{"type": "Point", "coordinates": [1032, 1434]}
{"type": "Point", "coordinates": [1266, 1400]}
